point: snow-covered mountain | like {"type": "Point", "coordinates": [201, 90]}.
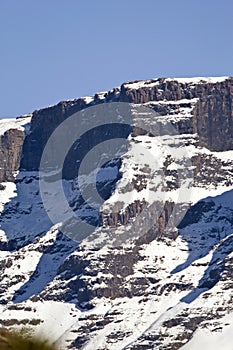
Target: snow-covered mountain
{"type": "Point", "coordinates": [156, 269]}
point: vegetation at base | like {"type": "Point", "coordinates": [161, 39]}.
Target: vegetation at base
{"type": "Point", "coordinates": [10, 340]}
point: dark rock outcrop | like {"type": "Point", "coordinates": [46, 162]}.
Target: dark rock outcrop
{"type": "Point", "coordinates": [212, 118]}
{"type": "Point", "coordinates": [11, 143]}
{"type": "Point", "coordinates": [213, 113]}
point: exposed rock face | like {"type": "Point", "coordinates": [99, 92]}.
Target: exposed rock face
{"type": "Point", "coordinates": [213, 119]}
{"type": "Point", "coordinates": [45, 121]}
{"type": "Point", "coordinates": [154, 217]}
{"type": "Point", "coordinates": [213, 114]}
{"type": "Point", "coordinates": [11, 144]}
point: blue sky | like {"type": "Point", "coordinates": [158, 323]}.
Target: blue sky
{"type": "Point", "coordinates": [53, 50]}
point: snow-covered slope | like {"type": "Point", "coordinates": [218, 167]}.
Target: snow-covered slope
{"type": "Point", "coordinates": [15, 123]}
{"type": "Point", "coordinates": [156, 272]}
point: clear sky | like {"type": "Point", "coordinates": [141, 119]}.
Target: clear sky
{"type": "Point", "coordinates": [53, 50]}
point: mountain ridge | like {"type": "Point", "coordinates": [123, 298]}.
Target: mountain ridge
{"type": "Point", "coordinates": [132, 283]}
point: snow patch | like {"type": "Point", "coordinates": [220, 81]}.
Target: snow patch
{"type": "Point", "coordinates": [14, 123]}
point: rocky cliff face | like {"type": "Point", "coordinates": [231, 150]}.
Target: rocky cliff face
{"type": "Point", "coordinates": [213, 117]}
{"type": "Point", "coordinates": [11, 144]}
{"type": "Point", "coordinates": [12, 137]}
{"type": "Point", "coordinates": [157, 268]}
{"type": "Point", "coordinates": [212, 113]}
